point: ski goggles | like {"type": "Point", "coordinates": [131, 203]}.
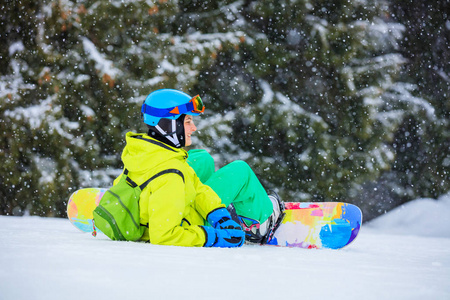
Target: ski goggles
{"type": "Point", "coordinates": [195, 105]}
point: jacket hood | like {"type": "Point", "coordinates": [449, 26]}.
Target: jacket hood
{"type": "Point", "coordinates": [143, 153]}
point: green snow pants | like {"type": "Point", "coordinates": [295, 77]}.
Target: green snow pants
{"type": "Point", "coordinates": [234, 183]}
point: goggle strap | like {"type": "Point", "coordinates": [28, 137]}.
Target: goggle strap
{"type": "Point", "coordinates": [167, 112]}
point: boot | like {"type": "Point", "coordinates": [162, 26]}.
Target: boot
{"type": "Point", "coordinates": [256, 233]}
{"type": "Point", "coordinates": [275, 218]}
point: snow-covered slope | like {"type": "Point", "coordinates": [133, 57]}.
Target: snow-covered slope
{"type": "Point", "coordinates": [424, 217]}
{"type": "Point", "coordinates": [42, 258]}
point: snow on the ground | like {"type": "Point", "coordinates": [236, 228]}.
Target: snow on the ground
{"type": "Point", "coordinates": [424, 217]}
{"type": "Point", "coordinates": [43, 258]}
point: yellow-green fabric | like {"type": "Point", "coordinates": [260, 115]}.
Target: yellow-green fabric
{"type": "Point", "coordinates": [202, 163]}
{"type": "Point", "coordinates": [173, 206]}
{"type": "Point", "coordinates": [234, 183]}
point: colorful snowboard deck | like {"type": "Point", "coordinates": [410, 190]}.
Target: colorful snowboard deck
{"type": "Point", "coordinates": [331, 225]}
{"type": "Point", "coordinates": [81, 206]}
{"type": "Point", "coordinates": [317, 225]}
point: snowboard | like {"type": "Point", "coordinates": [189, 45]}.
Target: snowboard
{"type": "Point", "coordinates": [331, 225]}
{"type": "Point", "coordinates": [81, 206]}
{"type": "Point", "coordinates": [312, 225]}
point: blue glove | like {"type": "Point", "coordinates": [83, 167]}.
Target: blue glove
{"type": "Point", "coordinates": [223, 237]}
{"type": "Point", "coordinates": [220, 218]}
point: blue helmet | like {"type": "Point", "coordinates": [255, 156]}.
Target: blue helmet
{"type": "Point", "coordinates": [162, 110]}
{"type": "Point", "coordinates": [169, 104]}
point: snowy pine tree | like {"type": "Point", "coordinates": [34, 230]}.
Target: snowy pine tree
{"type": "Point", "coordinates": [423, 141]}
{"type": "Point", "coordinates": [304, 96]}
{"type": "Point", "coordinates": [326, 100]}
{"type": "Point", "coordinates": [73, 77]}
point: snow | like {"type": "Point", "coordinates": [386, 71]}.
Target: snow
{"type": "Point", "coordinates": [13, 82]}
{"type": "Point", "coordinates": [404, 254]}
{"type": "Point", "coordinates": [288, 108]}
{"type": "Point", "coordinates": [403, 92]}
{"type": "Point", "coordinates": [34, 114]}
{"type": "Point", "coordinates": [16, 47]}
{"type": "Point", "coordinates": [424, 217]}
{"type": "Point", "coordinates": [101, 62]}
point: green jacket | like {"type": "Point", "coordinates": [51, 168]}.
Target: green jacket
{"type": "Point", "coordinates": [173, 204]}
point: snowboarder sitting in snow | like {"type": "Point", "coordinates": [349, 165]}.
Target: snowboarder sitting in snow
{"type": "Point", "coordinates": [188, 191]}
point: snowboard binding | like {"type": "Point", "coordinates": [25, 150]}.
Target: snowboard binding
{"type": "Point", "coordinates": [256, 233]}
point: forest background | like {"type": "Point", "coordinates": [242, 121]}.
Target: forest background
{"type": "Point", "coordinates": [327, 100]}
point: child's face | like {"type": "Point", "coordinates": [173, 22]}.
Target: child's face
{"type": "Point", "coordinates": [189, 128]}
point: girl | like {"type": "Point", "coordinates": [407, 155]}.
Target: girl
{"type": "Point", "coordinates": [188, 203]}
